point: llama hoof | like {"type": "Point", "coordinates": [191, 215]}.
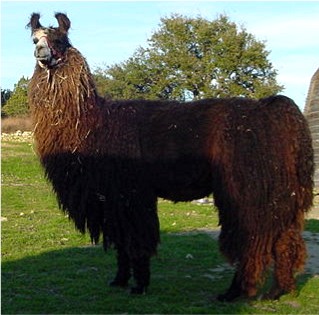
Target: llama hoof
{"type": "Point", "coordinates": [138, 290]}
{"type": "Point", "coordinates": [118, 283]}
{"type": "Point", "coordinates": [273, 294]}
{"type": "Point", "coordinates": [228, 296]}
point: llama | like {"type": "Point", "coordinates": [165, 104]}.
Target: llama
{"type": "Point", "coordinates": [108, 161]}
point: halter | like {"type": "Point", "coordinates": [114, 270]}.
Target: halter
{"type": "Point", "coordinates": [57, 55]}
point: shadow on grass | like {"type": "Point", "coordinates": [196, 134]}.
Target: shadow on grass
{"type": "Point", "coordinates": [186, 274]}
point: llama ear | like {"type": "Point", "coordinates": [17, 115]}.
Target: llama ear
{"type": "Point", "coordinates": [64, 22]}
{"type": "Point", "coordinates": [34, 21]}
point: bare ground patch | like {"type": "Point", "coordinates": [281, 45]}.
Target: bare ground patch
{"type": "Point", "coordinates": [311, 240]}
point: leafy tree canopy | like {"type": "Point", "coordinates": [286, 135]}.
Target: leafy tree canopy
{"type": "Point", "coordinates": [17, 104]}
{"type": "Point", "coordinates": [193, 58]}
{"type": "Point", "coordinates": [5, 95]}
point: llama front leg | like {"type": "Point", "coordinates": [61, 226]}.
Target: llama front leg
{"type": "Point", "coordinates": [141, 273]}
{"type": "Point", "coordinates": [123, 270]}
{"type": "Point", "coordinates": [144, 239]}
{"type": "Point", "coordinates": [138, 235]}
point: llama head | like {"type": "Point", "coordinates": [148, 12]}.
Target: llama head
{"type": "Point", "coordinates": [51, 43]}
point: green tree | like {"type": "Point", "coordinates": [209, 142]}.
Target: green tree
{"type": "Point", "coordinates": [17, 104]}
{"type": "Point", "coordinates": [193, 58]}
{"type": "Point", "coordinates": [5, 96]}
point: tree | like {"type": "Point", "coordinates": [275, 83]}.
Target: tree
{"type": "Point", "coordinates": [17, 104]}
{"type": "Point", "coordinates": [5, 96]}
{"type": "Point", "coordinates": [193, 58]}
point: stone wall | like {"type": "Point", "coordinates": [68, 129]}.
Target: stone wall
{"type": "Point", "coordinates": [312, 114]}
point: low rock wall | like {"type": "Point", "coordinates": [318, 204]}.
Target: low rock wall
{"type": "Point", "coordinates": [18, 136]}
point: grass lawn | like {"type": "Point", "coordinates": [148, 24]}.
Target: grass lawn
{"type": "Point", "coordinates": [48, 267]}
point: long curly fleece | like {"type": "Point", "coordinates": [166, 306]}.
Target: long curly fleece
{"type": "Point", "coordinates": [108, 161]}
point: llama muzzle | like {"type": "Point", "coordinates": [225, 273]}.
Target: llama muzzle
{"type": "Point", "coordinates": [44, 54]}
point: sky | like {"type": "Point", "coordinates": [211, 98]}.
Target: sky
{"type": "Point", "coordinates": [108, 32]}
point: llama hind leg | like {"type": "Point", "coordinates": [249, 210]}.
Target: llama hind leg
{"type": "Point", "coordinates": [244, 283]}
{"type": "Point", "coordinates": [233, 292]}
{"type": "Point", "coordinates": [252, 263]}
{"type": "Point", "coordinates": [289, 256]}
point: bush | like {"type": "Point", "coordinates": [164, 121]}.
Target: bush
{"type": "Point", "coordinates": [13, 124]}
{"type": "Point", "coordinates": [17, 104]}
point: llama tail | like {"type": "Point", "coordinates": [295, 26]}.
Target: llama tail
{"type": "Point", "coordinates": [303, 145]}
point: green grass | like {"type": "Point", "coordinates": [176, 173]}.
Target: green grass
{"type": "Point", "coordinates": [48, 267]}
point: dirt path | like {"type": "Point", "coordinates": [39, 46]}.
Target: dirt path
{"type": "Point", "coordinates": [314, 211]}
{"type": "Point", "coordinates": [312, 243]}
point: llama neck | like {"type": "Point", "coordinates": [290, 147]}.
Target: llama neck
{"type": "Point", "coordinates": [64, 105]}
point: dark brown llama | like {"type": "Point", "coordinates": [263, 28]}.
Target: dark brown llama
{"type": "Point", "coordinates": [108, 161]}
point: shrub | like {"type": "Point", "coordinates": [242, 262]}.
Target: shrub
{"type": "Point", "coordinates": [13, 124]}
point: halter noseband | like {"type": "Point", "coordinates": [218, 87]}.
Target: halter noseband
{"type": "Point", "coordinates": [57, 55]}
